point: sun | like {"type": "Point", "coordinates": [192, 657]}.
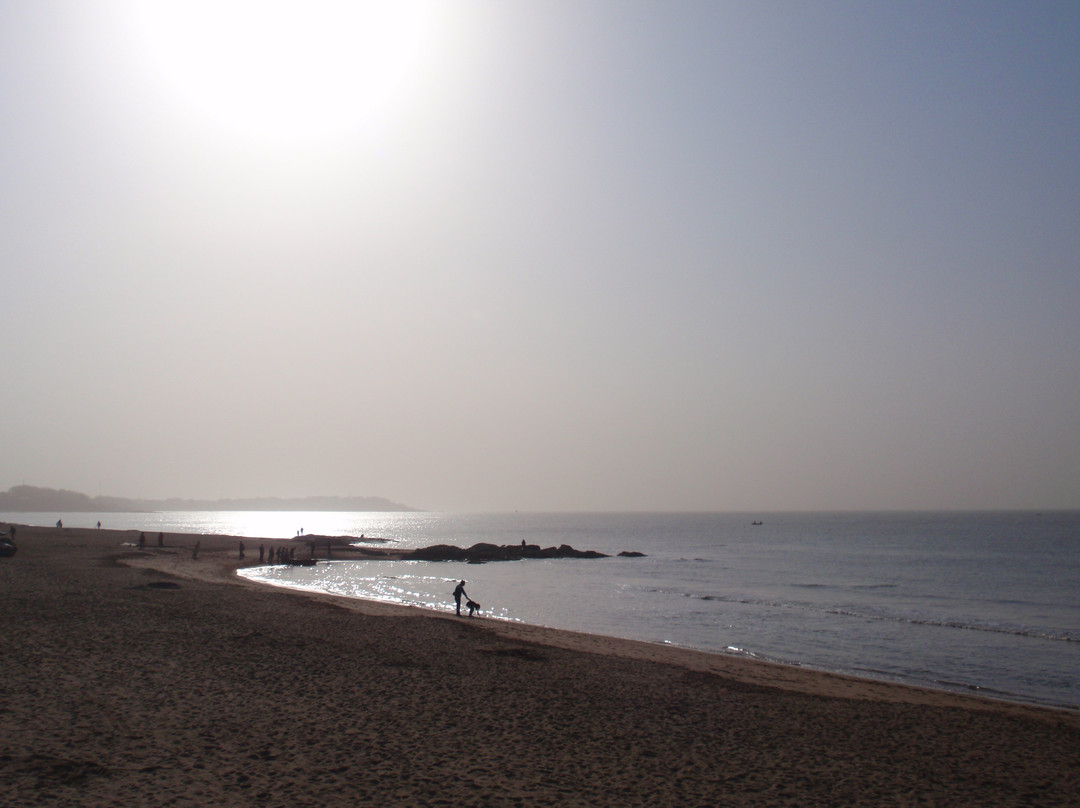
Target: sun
{"type": "Point", "coordinates": [285, 71]}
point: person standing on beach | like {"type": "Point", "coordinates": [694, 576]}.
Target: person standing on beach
{"type": "Point", "coordinates": [459, 592]}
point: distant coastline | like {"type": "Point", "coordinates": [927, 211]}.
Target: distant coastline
{"type": "Point", "coordinates": [33, 499]}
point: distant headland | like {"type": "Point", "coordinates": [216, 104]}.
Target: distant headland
{"type": "Point", "coordinates": [32, 499]}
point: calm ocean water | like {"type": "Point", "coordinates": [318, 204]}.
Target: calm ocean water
{"type": "Point", "coordinates": [983, 602]}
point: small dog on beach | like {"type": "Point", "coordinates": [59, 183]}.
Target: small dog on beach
{"type": "Point", "coordinates": [473, 606]}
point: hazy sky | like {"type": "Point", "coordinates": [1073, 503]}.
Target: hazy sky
{"type": "Point", "coordinates": [544, 255]}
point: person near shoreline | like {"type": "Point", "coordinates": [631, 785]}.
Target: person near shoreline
{"type": "Point", "coordinates": [7, 546]}
{"type": "Point", "coordinates": [459, 592]}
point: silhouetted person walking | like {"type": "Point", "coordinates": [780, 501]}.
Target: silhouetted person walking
{"type": "Point", "coordinates": [459, 592]}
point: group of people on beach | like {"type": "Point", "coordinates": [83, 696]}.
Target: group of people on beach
{"type": "Point", "coordinates": [142, 539]}
{"type": "Point", "coordinates": [280, 555]}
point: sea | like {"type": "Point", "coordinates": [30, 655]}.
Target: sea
{"type": "Point", "coordinates": [976, 602]}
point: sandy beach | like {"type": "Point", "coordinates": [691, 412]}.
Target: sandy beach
{"type": "Point", "coordinates": [149, 678]}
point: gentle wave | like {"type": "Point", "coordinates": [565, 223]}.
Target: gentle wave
{"type": "Point", "coordinates": [1017, 631]}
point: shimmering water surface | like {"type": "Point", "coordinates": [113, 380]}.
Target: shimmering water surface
{"type": "Point", "coordinates": [988, 602]}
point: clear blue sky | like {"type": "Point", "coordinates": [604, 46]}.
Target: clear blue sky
{"type": "Point", "coordinates": [544, 256]}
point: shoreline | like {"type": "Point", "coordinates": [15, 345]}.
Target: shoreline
{"type": "Point", "coordinates": [787, 675]}
{"type": "Point", "coordinates": [219, 563]}
{"type": "Point", "coordinates": [147, 678]}
{"type": "Point", "coordinates": [780, 671]}
{"type": "Point", "coordinates": [747, 669]}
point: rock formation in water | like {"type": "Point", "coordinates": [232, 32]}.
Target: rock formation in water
{"type": "Point", "coordinates": [493, 552]}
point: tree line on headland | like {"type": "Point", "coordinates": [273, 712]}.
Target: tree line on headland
{"type": "Point", "coordinates": [32, 499]}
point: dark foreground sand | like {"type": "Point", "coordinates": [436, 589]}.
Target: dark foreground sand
{"type": "Point", "coordinates": [145, 679]}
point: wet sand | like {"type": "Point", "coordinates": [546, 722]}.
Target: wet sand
{"type": "Point", "coordinates": [147, 678]}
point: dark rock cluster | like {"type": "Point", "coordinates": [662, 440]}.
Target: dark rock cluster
{"type": "Point", "coordinates": [493, 552]}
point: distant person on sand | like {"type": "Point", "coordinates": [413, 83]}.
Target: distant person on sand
{"type": "Point", "coordinates": [99, 524]}
{"type": "Point", "coordinates": [59, 522]}
{"type": "Point", "coordinates": [142, 541]}
{"type": "Point", "coordinates": [459, 592]}
{"type": "Point", "coordinates": [241, 549]}
{"type": "Point", "coordinates": [7, 546]}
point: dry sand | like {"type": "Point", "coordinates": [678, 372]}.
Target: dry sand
{"type": "Point", "coordinates": [149, 679]}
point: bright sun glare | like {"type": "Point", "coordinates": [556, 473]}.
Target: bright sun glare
{"type": "Point", "coordinates": [285, 71]}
